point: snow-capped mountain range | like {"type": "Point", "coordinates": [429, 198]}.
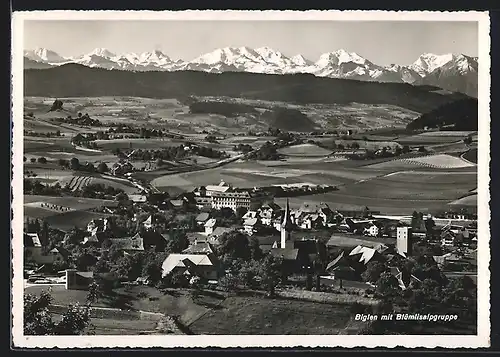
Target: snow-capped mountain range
{"type": "Point", "coordinates": [338, 64]}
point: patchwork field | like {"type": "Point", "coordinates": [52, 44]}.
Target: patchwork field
{"type": "Point", "coordinates": [171, 113]}
{"type": "Point", "coordinates": [252, 174]}
{"type": "Point", "coordinates": [78, 182]}
{"type": "Point", "coordinates": [398, 193]}
{"type": "Point", "coordinates": [361, 183]}
{"type": "Point", "coordinates": [392, 186]}
{"type": "Point", "coordinates": [438, 161]}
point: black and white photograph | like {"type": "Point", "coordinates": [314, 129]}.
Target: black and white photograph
{"type": "Point", "coordinates": [250, 179]}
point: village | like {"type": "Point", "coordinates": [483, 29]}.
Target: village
{"type": "Point", "coordinates": [310, 241]}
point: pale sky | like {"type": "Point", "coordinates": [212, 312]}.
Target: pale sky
{"type": "Point", "coordinates": [381, 42]}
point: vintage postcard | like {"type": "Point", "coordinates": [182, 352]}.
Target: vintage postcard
{"type": "Point", "coordinates": [250, 179]}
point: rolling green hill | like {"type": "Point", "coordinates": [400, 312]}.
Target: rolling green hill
{"type": "Point", "coordinates": [458, 115]}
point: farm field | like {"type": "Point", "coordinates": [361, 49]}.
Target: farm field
{"type": "Point", "coordinates": [64, 212]}
{"type": "Point", "coordinates": [257, 316]}
{"type": "Point", "coordinates": [137, 143]}
{"type": "Point", "coordinates": [471, 155]}
{"type": "Point", "coordinates": [172, 114]}
{"type": "Point", "coordinates": [468, 201]}
{"type": "Point", "coordinates": [418, 187]}
{"type": "Point", "coordinates": [210, 312]}
{"type": "Point", "coordinates": [66, 220]}
{"type": "Point", "coordinates": [437, 161]}
{"type": "Point", "coordinates": [305, 150]}
{"type": "Point", "coordinates": [78, 182]}
{"type": "Point", "coordinates": [397, 193]}
{"type": "Point", "coordinates": [369, 145]}
{"type": "Point", "coordinates": [450, 133]}
{"type": "Point", "coordinates": [458, 147]}
{"type": "Point", "coordinates": [372, 183]}
{"type": "Point", "coordinates": [77, 203]}
{"type": "Point", "coordinates": [46, 172]}
{"type": "Point", "coordinates": [252, 174]}
{"type": "Point", "coordinates": [438, 137]}
{"type": "Point", "coordinates": [339, 201]}
{"type": "Point", "coordinates": [388, 186]}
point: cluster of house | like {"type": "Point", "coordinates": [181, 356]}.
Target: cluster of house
{"type": "Point", "coordinates": [33, 251]}
{"type": "Point", "coordinates": [264, 216]}
{"type": "Point", "coordinates": [452, 235]}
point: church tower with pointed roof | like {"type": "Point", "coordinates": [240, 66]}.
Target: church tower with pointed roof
{"type": "Point", "coordinates": [286, 226]}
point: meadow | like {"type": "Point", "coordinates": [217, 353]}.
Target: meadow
{"type": "Point", "coordinates": [64, 212]}
{"type": "Point", "coordinates": [435, 137]}
{"type": "Point", "coordinates": [304, 150]}
{"type": "Point", "coordinates": [391, 186]}
{"type": "Point", "coordinates": [208, 312]}
{"type": "Point", "coordinates": [467, 201]}
{"type": "Point", "coordinates": [246, 315]}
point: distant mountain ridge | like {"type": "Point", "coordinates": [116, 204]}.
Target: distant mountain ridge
{"type": "Point", "coordinates": [457, 72]}
{"type": "Point", "coordinates": [73, 80]}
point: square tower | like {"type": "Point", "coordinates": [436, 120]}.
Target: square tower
{"type": "Point", "coordinates": [404, 241]}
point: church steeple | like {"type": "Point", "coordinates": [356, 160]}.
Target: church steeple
{"type": "Point", "coordinates": [286, 225]}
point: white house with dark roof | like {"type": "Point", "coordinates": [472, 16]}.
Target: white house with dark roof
{"type": "Point", "coordinates": [202, 265]}
{"type": "Point", "coordinates": [250, 226]}
{"type": "Point", "coordinates": [210, 226]}
{"type": "Point", "coordinates": [148, 223]}
{"type": "Point", "coordinates": [202, 218]}
{"type": "Point", "coordinates": [249, 214]}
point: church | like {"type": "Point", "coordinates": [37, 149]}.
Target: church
{"type": "Point", "coordinates": [299, 255]}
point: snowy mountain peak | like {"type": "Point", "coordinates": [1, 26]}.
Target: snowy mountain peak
{"type": "Point", "coordinates": [102, 52]}
{"type": "Point", "coordinates": [155, 56]}
{"type": "Point", "coordinates": [300, 60]}
{"type": "Point", "coordinates": [338, 64]}
{"type": "Point", "coordinates": [216, 56]}
{"type": "Point", "coordinates": [338, 57]}
{"type": "Point", "coordinates": [428, 62]}
{"type": "Point", "coordinates": [264, 50]}
{"type": "Point", "coordinates": [44, 55]}
{"type": "Point", "coordinates": [345, 57]}
{"type": "Point", "coordinates": [268, 52]}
